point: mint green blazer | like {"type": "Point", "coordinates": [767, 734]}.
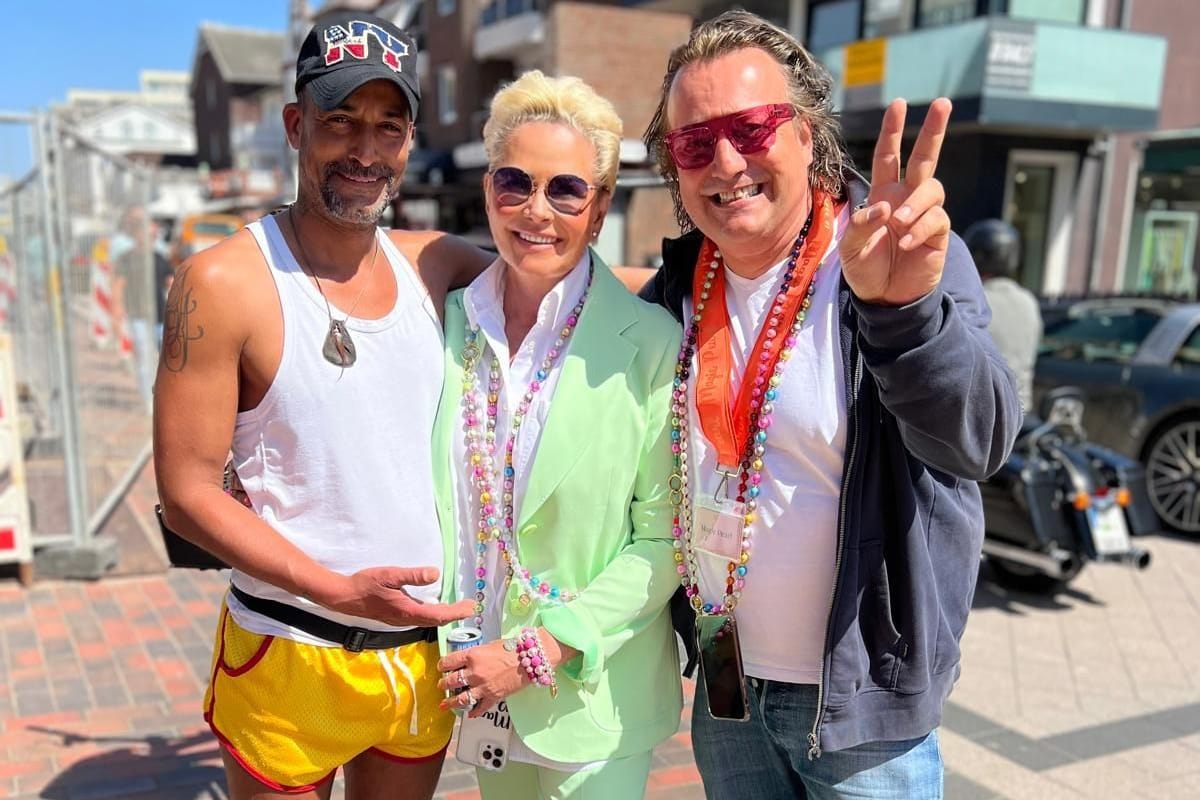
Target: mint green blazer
{"type": "Point", "coordinates": [596, 519]}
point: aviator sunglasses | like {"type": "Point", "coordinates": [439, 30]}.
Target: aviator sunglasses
{"type": "Point", "coordinates": [567, 194]}
{"type": "Point", "coordinates": [750, 130]}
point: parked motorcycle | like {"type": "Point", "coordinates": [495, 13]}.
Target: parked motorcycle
{"type": "Point", "coordinates": [1061, 502]}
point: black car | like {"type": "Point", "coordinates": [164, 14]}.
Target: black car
{"type": "Point", "coordinates": [1138, 364]}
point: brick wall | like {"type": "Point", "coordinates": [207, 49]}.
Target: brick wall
{"type": "Point", "coordinates": [449, 41]}
{"type": "Point", "coordinates": [649, 217]}
{"type": "Point", "coordinates": [621, 52]}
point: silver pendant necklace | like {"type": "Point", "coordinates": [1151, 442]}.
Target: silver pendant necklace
{"type": "Point", "coordinates": [338, 347]}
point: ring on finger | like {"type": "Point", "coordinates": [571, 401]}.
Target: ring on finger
{"type": "Point", "coordinates": [462, 677]}
{"type": "Point", "coordinates": [470, 698]}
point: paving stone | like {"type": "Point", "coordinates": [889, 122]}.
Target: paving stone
{"type": "Point", "coordinates": [1081, 695]}
{"type": "Point", "coordinates": [957, 787]}
{"type": "Point", "coordinates": [31, 704]}
{"type": "Point", "coordinates": [107, 609]}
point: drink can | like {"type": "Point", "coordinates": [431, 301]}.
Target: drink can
{"type": "Point", "coordinates": [464, 638]}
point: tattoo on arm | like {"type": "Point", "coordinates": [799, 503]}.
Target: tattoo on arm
{"type": "Point", "coordinates": [177, 332]}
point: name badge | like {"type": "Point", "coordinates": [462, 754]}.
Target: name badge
{"type": "Point", "coordinates": [717, 527]}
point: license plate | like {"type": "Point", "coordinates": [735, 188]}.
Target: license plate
{"type": "Point", "coordinates": [1110, 534]}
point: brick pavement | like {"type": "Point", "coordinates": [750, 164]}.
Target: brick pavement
{"type": "Point", "coordinates": [1091, 694]}
{"type": "Point", "coordinates": [100, 690]}
{"type": "Point", "coordinates": [114, 426]}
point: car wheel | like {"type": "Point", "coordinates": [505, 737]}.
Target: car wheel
{"type": "Point", "coordinates": [1173, 474]}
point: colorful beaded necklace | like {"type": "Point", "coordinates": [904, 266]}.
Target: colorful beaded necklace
{"type": "Point", "coordinates": [496, 520]}
{"type": "Point", "coordinates": [764, 393]}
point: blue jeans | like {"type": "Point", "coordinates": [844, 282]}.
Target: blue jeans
{"type": "Point", "coordinates": [767, 757]}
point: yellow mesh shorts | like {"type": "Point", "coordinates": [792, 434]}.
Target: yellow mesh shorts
{"type": "Point", "coordinates": [292, 713]}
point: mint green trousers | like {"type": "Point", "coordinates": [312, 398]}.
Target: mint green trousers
{"type": "Point", "coordinates": [619, 778]}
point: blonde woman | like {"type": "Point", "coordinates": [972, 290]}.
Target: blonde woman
{"type": "Point", "coordinates": [552, 453]}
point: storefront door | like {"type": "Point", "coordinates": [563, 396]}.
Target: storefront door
{"type": "Point", "coordinates": [1038, 204]}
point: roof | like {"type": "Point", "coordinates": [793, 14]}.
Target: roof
{"type": "Point", "coordinates": [242, 55]}
{"type": "Point", "coordinates": [139, 128]}
{"type": "Point", "coordinates": [145, 110]}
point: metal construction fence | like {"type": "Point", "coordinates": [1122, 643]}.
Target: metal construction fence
{"type": "Point", "coordinates": [81, 285]}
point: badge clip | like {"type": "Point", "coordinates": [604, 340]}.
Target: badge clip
{"type": "Point", "coordinates": [723, 484]}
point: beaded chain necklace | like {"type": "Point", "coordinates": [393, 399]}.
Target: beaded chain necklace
{"type": "Point", "coordinates": [496, 520]}
{"type": "Point", "coordinates": [763, 394]}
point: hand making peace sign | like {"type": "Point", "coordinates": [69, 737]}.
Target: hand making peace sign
{"type": "Point", "coordinates": [895, 248]}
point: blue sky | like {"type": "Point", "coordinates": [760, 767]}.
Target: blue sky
{"type": "Point", "coordinates": [53, 46]}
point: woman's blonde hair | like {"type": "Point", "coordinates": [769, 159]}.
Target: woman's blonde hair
{"type": "Point", "coordinates": [810, 89]}
{"type": "Point", "coordinates": [536, 97]}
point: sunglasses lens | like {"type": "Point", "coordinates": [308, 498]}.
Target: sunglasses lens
{"type": "Point", "coordinates": [749, 131]}
{"type": "Point", "coordinates": [692, 149]}
{"type": "Point", "coordinates": [752, 130]}
{"type": "Point", "coordinates": [512, 186]}
{"type": "Point", "coordinates": [568, 193]}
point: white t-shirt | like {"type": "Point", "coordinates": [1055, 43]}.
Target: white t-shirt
{"type": "Point", "coordinates": [785, 604]}
{"type": "Point", "coordinates": [483, 302]}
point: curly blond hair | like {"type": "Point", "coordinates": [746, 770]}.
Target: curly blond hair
{"type": "Point", "coordinates": [810, 90]}
{"type": "Point", "coordinates": [537, 97]}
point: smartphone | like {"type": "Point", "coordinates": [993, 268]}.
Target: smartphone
{"type": "Point", "coordinates": [181, 552]}
{"type": "Point", "coordinates": [721, 667]}
{"type": "Point", "coordinates": [484, 740]}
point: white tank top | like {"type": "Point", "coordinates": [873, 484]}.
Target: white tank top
{"type": "Point", "coordinates": [339, 461]}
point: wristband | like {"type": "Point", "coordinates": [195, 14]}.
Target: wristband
{"type": "Point", "coordinates": [534, 661]}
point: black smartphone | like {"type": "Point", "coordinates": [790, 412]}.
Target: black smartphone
{"type": "Point", "coordinates": [181, 552]}
{"type": "Point", "coordinates": [721, 667]}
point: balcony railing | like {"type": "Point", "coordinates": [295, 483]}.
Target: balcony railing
{"type": "Point", "coordinates": [509, 27]}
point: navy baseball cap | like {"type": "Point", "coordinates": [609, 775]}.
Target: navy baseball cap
{"type": "Point", "coordinates": [346, 49]}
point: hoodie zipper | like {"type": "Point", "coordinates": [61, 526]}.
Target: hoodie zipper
{"type": "Point", "coordinates": [814, 736]}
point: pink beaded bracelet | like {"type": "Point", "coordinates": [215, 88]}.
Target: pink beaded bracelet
{"type": "Point", "coordinates": [534, 661]}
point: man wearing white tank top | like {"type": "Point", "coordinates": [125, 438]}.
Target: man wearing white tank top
{"type": "Point", "coordinates": [310, 345]}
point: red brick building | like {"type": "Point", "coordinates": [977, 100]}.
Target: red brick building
{"type": "Point", "coordinates": [472, 47]}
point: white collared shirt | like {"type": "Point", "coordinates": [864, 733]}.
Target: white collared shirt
{"type": "Point", "coordinates": [483, 302]}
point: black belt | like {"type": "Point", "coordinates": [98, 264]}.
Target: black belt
{"type": "Point", "coordinates": [349, 637]}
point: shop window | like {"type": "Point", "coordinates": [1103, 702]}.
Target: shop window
{"type": "Point", "coordinates": [1070, 11]}
{"type": "Point", "coordinates": [946, 12]}
{"type": "Point", "coordinates": [833, 23]}
{"type": "Point", "coordinates": [886, 17]}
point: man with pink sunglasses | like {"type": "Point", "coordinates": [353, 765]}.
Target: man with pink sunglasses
{"type": "Point", "coordinates": [837, 398]}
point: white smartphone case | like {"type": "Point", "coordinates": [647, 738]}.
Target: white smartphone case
{"type": "Point", "coordinates": [484, 741]}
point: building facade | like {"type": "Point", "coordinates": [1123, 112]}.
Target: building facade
{"type": "Point", "coordinates": [151, 126]}
{"type": "Point", "coordinates": [1151, 243]}
{"type": "Point", "coordinates": [238, 101]}
{"type": "Point", "coordinates": [467, 49]}
{"type": "Point", "coordinates": [1045, 94]}
{"type": "Point", "coordinates": [473, 47]}
{"type": "Point", "coordinates": [1074, 119]}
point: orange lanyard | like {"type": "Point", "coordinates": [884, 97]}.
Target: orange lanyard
{"type": "Point", "coordinates": [726, 425]}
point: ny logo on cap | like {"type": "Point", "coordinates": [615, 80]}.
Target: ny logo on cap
{"type": "Point", "coordinates": [339, 43]}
